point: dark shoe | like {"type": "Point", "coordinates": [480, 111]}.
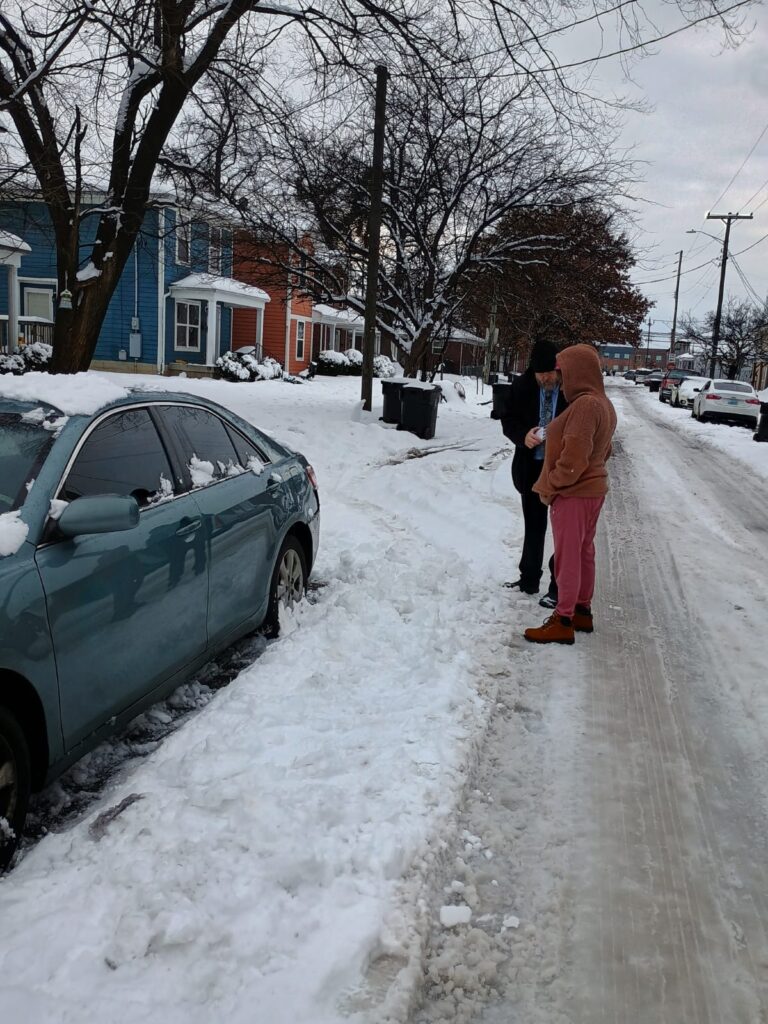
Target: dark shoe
{"type": "Point", "coordinates": [549, 601]}
{"type": "Point", "coordinates": [558, 629]}
{"type": "Point", "coordinates": [582, 619]}
{"type": "Point", "coordinates": [523, 586]}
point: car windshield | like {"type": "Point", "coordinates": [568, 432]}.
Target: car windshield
{"type": "Point", "coordinates": [23, 447]}
{"type": "Point", "coordinates": [732, 385]}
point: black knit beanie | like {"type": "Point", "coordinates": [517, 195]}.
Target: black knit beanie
{"type": "Point", "coordinates": [543, 356]}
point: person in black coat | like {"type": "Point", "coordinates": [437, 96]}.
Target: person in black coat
{"type": "Point", "coordinates": [534, 400]}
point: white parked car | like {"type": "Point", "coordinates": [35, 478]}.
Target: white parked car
{"type": "Point", "coordinates": [684, 391]}
{"type": "Point", "coordinates": [727, 400]}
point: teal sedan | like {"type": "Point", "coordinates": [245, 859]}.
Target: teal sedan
{"type": "Point", "coordinates": [135, 544]}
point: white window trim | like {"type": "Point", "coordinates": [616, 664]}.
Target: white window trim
{"type": "Point", "coordinates": [49, 292]}
{"type": "Point", "coordinates": [183, 221]}
{"type": "Point", "coordinates": [303, 325]}
{"type": "Point", "coordinates": [176, 325]}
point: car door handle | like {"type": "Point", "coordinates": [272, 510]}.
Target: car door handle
{"type": "Point", "coordinates": [188, 527]}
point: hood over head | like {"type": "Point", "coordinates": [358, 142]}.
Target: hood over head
{"type": "Point", "coordinates": [582, 375]}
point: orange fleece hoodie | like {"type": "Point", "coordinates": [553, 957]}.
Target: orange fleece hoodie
{"type": "Point", "coordinates": [579, 439]}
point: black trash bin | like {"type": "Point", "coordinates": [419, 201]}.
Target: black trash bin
{"type": "Point", "coordinates": [761, 434]}
{"type": "Point", "coordinates": [502, 400]}
{"type": "Point", "coordinates": [418, 409]}
{"type": "Point", "coordinates": [390, 390]}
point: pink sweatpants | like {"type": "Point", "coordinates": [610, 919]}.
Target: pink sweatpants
{"type": "Point", "coordinates": [574, 522]}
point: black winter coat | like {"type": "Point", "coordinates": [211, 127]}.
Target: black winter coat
{"type": "Point", "coordinates": [521, 415]}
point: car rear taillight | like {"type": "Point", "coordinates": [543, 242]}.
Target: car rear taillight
{"type": "Point", "coordinates": [753, 401]}
{"type": "Point", "coordinates": [713, 398]}
{"type": "Point", "coordinates": [312, 477]}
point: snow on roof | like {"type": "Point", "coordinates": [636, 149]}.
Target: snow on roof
{"type": "Point", "coordinates": [343, 317]}
{"type": "Point", "coordinates": [77, 394]}
{"type": "Point", "coordinates": [223, 289]}
{"type": "Point", "coordinates": [13, 242]}
{"type": "Point", "coordinates": [465, 337]}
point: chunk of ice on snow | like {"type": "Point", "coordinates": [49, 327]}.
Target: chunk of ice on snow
{"type": "Point", "coordinates": [510, 921]}
{"type": "Point", "coordinates": [451, 916]}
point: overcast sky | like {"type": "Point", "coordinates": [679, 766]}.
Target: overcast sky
{"type": "Point", "coordinates": [708, 108]}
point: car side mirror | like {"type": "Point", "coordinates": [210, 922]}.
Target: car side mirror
{"type": "Point", "coordinates": [99, 513]}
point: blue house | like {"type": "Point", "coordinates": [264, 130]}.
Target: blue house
{"type": "Point", "coordinates": [172, 308]}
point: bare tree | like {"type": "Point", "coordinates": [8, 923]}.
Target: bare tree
{"type": "Point", "coordinates": [743, 329]}
{"type": "Point", "coordinates": [462, 151]}
{"type": "Point", "coordinates": [91, 92]}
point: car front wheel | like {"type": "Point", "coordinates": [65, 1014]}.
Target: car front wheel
{"type": "Point", "coordinates": [289, 583]}
{"type": "Point", "coordinates": [15, 785]}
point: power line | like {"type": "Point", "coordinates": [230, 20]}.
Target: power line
{"type": "Point", "coordinates": [691, 270]}
{"type": "Point", "coordinates": [742, 166]}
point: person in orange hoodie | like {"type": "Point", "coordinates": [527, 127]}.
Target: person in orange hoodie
{"type": "Point", "coordinates": [574, 483]}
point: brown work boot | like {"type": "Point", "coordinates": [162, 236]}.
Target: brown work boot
{"type": "Point", "coordinates": [558, 629]}
{"type": "Point", "coordinates": [582, 619]}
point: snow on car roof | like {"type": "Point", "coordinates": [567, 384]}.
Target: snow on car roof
{"type": "Point", "coordinates": [77, 394]}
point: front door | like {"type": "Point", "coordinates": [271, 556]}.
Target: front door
{"type": "Point", "coordinates": [127, 609]}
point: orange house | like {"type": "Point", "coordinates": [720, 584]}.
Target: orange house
{"type": "Point", "coordinates": [284, 329]}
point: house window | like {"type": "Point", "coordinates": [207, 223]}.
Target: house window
{"type": "Point", "coordinates": [188, 326]}
{"type": "Point", "coordinates": [215, 241]}
{"type": "Point", "coordinates": [300, 329]}
{"type": "Point", "coordinates": [183, 237]}
{"type": "Point", "coordinates": [38, 302]}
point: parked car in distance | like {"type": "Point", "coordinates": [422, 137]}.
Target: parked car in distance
{"type": "Point", "coordinates": [684, 391]}
{"type": "Point", "coordinates": [671, 378]}
{"type": "Point", "coordinates": [641, 374]}
{"type": "Point", "coordinates": [154, 533]}
{"type": "Point", "coordinates": [731, 400]}
{"type": "Point", "coordinates": [629, 375]}
{"type": "Point", "coordinates": [654, 379]}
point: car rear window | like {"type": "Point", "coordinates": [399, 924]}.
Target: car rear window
{"type": "Point", "coordinates": [23, 448]}
{"type": "Point", "coordinates": [732, 385]}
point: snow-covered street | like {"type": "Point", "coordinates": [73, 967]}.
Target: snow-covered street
{"type": "Point", "coordinates": [623, 795]}
{"type": "Point", "coordinates": [288, 852]}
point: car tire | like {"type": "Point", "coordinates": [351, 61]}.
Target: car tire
{"type": "Point", "coordinates": [15, 785]}
{"type": "Point", "coordinates": [288, 585]}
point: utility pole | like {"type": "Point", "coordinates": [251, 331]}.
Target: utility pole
{"type": "Point", "coordinates": [374, 237]}
{"type": "Point", "coordinates": [648, 344]}
{"type": "Point", "coordinates": [672, 341]}
{"type": "Point", "coordinates": [727, 218]}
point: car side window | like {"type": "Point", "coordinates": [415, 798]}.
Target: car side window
{"type": "Point", "coordinates": [122, 455]}
{"type": "Point", "coordinates": [248, 454]}
{"type": "Point", "coordinates": [205, 444]}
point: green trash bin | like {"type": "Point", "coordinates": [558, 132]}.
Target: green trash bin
{"type": "Point", "coordinates": [418, 409]}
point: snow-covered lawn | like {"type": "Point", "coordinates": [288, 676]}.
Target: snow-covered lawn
{"type": "Point", "coordinates": [268, 862]}
{"type": "Point", "coordinates": [735, 440]}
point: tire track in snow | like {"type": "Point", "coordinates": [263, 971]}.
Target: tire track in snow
{"type": "Point", "coordinates": [636, 856]}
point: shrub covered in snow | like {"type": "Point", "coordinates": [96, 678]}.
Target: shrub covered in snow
{"type": "Point", "coordinates": [355, 356]}
{"type": "Point", "coordinates": [333, 364]}
{"type": "Point", "coordinates": [384, 367]}
{"type": "Point", "coordinates": [244, 366]}
{"type": "Point", "coordinates": [35, 356]}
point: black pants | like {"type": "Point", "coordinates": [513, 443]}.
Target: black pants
{"type": "Point", "coordinates": [535, 517]}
